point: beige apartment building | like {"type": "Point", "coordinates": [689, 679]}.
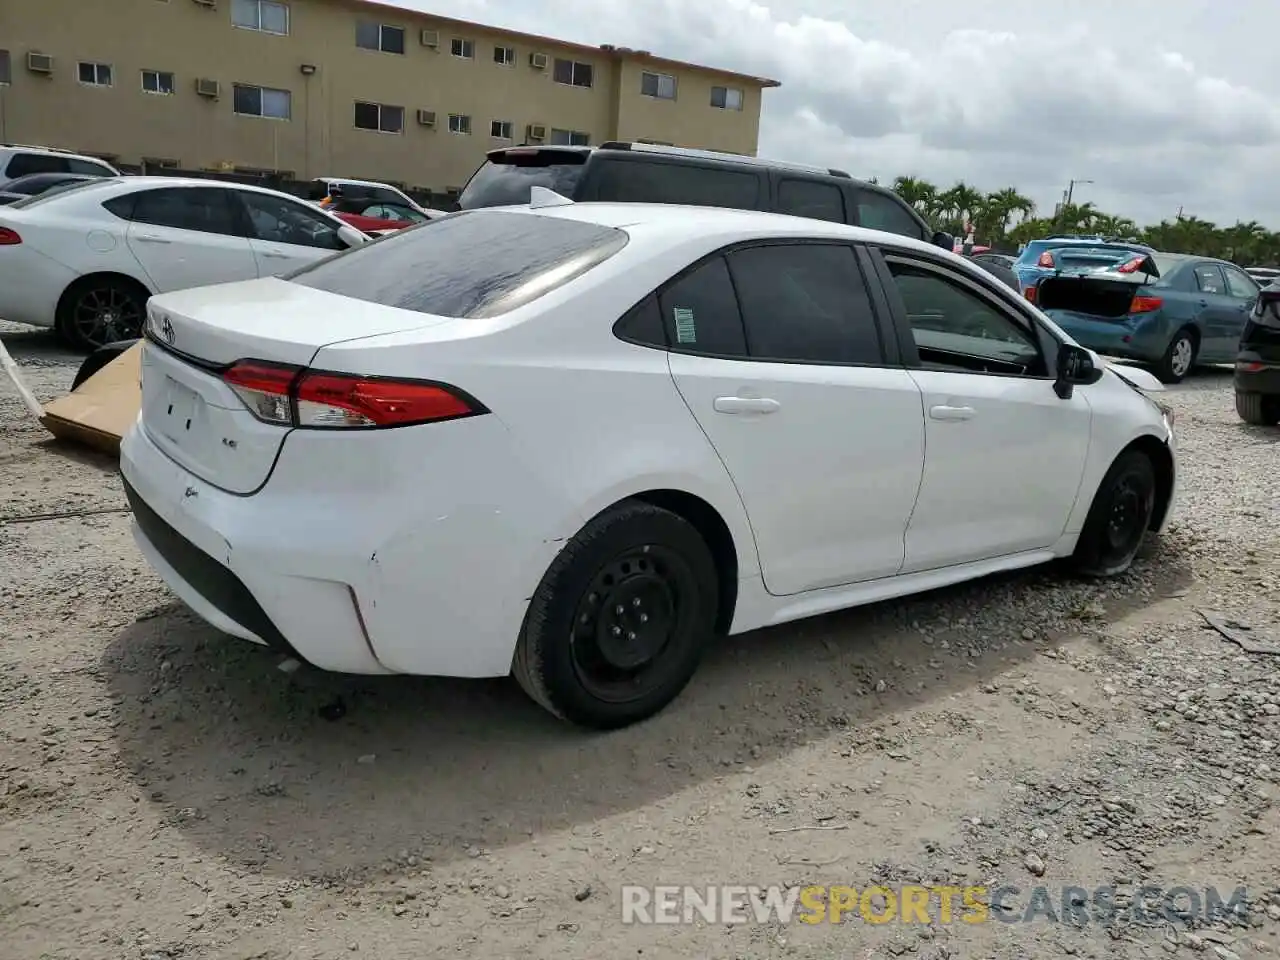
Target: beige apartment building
{"type": "Point", "coordinates": [338, 88]}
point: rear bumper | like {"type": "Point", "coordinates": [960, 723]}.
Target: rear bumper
{"type": "Point", "coordinates": [1266, 380]}
{"type": "Point", "coordinates": [356, 566]}
{"type": "Point", "coordinates": [31, 285]}
{"type": "Point", "coordinates": [1140, 339]}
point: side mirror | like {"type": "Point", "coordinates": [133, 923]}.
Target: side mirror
{"type": "Point", "coordinates": [944, 240]}
{"type": "Point", "coordinates": [1075, 366]}
{"type": "Point", "coordinates": [351, 236]}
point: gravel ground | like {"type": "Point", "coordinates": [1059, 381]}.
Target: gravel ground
{"type": "Point", "coordinates": [167, 792]}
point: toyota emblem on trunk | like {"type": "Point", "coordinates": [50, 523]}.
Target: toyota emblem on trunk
{"type": "Point", "coordinates": [166, 329]}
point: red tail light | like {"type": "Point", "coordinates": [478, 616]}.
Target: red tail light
{"type": "Point", "coordinates": [1030, 294]}
{"type": "Point", "coordinates": [1046, 260]}
{"type": "Point", "coordinates": [298, 397]}
{"type": "Point", "coordinates": [1145, 304]}
{"type": "Point", "coordinates": [9, 238]}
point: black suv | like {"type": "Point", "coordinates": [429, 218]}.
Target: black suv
{"type": "Point", "coordinates": [648, 173]}
{"type": "Point", "coordinates": [1258, 363]}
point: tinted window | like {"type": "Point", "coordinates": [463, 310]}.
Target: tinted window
{"type": "Point", "coordinates": [643, 324]}
{"type": "Point", "coordinates": [805, 302]}
{"type": "Point", "coordinates": [89, 167]}
{"type": "Point", "coordinates": [642, 182]}
{"type": "Point", "coordinates": [204, 209]}
{"type": "Point", "coordinates": [21, 164]}
{"type": "Point", "coordinates": [474, 264]}
{"type": "Point", "coordinates": [55, 193]}
{"type": "Point", "coordinates": [811, 198]}
{"type": "Point", "coordinates": [954, 328]}
{"type": "Point", "coordinates": [392, 211]}
{"type": "Point", "coordinates": [878, 212]}
{"type": "Point", "coordinates": [1238, 284]}
{"type": "Point", "coordinates": [1209, 278]}
{"type": "Point", "coordinates": [509, 181]}
{"type": "Point", "coordinates": [277, 220]}
{"type": "Point", "coordinates": [700, 312]}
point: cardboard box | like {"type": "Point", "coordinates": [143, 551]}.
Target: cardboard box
{"type": "Point", "coordinates": [99, 411]}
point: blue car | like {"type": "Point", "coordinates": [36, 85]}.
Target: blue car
{"type": "Point", "coordinates": [1056, 255]}
{"type": "Point", "coordinates": [1171, 311]}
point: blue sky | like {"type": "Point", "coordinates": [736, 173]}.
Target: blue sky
{"type": "Point", "coordinates": [1163, 105]}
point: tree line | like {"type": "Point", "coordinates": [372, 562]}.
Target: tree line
{"type": "Point", "coordinates": [1005, 219]}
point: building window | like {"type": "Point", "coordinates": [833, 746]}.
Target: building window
{"type": "Point", "coordinates": [659, 85]}
{"type": "Point", "coordinates": [466, 49]}
{"type": "Point", "coordinates": [573, 73]}
{"type": "Point", "coordinates": [726, 98]}
{"type": "Point", "coordinates": [459, 123]}
{"type": "Point", "coordinates": [95, 74]}
{"type": "Point", "coordinates": [500, 129]}
{"type": "Point", "coordinates": [379, 36]}
{"type": "Point", "coordinates": [504, 56]}
{"type": "Point", "coordinates": [570, 138]}
{"type": "Point", "coordinates": [157, 81]}
{"type": "Point", "coordinates": [379, 117]}
{"type": "Point", "coordinates": [261, 102]}
{"type": "Point", "coordinates": [6, 75]}
{"type": "Point", "coordinates": [265, 16]}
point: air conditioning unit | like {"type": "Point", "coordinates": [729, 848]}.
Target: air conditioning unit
{"type": "Point", "coordinates": [538, 61]}
{"type": "Point", "coordinates": [536, 131]}
{"type": "Point", "coordinates": [39, 63]}
{"type": "Point", "coordinates": [208, 88]}
{"type": "Point", "coordinates": [427, 118]}
{"type": "Point", "coordinates": [430, 38]}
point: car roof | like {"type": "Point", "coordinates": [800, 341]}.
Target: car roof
{"type": "Point", "coordinates": [680, 221]}
{"type": "Point", "coordinates": [359, 183]}
{"type": "Point", "coordinates": [49, 152]}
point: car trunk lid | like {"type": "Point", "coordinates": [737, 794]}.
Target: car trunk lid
{"type": "Point", "coordinates": [189, 409]}
{"type": "Point", "coordinates": [1111, 294]}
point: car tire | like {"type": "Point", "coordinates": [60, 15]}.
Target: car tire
{"type": "Point", "coordinates": [98, 310]}
{"type": "Point", "coordinates": [99, 359]}
{"type": "Point", "coordinates": [1118, 518]}
{"type": "Point", "coordinates": [1179, 358]}
{"type": "Point", "coordinates": [1259, 409]}
{"type": "Point", "coordinates": [617, 626]}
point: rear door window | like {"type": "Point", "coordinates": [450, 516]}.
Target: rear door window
{"type": "Point", "coordinates": [474, 264]}
{"type": "Point", "coordinates": [202, 209]}
{"type": "Point", "coordinates": [805, 302]}
{"type": "Point", "coordinates": [507, 180]}
{"type": "Point", "coordinates": [879, 212]}
{"type": "Point", "coordinates": [639, 181]}
{"type": "Point", "coordinates": [1209, 279]}
{"type": "Point", "coordinates": [811, 198]}
{"type": "Point", "coordinates": [21, 164]}
{"type": "Point", "coordinates": [89, 167]}
{"type": "Point", "coordinates": [700, 312]}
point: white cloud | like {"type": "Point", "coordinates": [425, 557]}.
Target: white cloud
{"type": "Point", "coordinates": [1161, 104]}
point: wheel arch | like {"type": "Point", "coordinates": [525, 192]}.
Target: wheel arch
{"type": "Point", "coordinates": [86, 278]}
{"type": "Point", "coordinates": [1161, 457]}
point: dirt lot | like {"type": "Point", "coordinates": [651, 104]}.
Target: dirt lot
{"type": "Point", "coordinates": [167, 792]}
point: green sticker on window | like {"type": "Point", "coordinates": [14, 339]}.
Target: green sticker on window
{"type": "Point", "coordinates": [686, 329]}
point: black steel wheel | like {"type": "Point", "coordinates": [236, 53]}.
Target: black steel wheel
{"type": "Point", "coordinates": [618, 624]}
{"type": "Point", "coordinates": [96, 311]}
{"type": "Point", "coordinates": [1119, 517]}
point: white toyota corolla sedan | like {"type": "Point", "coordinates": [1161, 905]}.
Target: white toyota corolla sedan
{"type": "Point", "coordinates": [578, 441]}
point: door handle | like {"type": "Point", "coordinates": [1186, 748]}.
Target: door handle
{"type": "Point", "coordinates": [745, 405]}
{"type": "Point", "coordinates": [274, 255]}
{"type": "Point", "coordinates": [150, 238]}
{"type": "Point", "coordinates": [944, 412]}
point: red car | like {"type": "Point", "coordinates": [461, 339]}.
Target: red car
{"type": "Point", "coordinates": [376, 217]}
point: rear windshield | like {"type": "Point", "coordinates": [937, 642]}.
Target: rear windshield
{"type": "Point", "coordinates": [466, 265]}
{"type": "Point", "coordinates": [507, 180]}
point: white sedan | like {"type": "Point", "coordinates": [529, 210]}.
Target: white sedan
{"type": "Point", "coordinates": [85, 259]}
{"type": "Point", "coordinates": [577, 441]}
